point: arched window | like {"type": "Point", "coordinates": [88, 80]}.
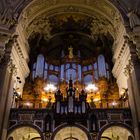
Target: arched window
{"type": "Point", "coordinates": [88, 79]}
{"type": "Point", "coordinates": [74, 66]}
{"type": "Point", "coordinates": [73, 72]}
{"type": "Point", "coordinates": [67, 66]}
{"type": "Point", "coordinates": [70, 73]}
{"type": "Point", "coordinates": [56, 68]}
{"type": "Point", "coordinates": [62, 72]}
{"type": "Point", "coordinates": [107, 71]}
{"type": "Point", "coordinates": [95, 71]}
{"type": "Point", "coordinates": [34, 71]}
{"type": "Point", "coordinates": [85, 68]}
{"type": "Point", "coordinates": [39, 66]}
{"type": "Point", "coordinates": [51, 67]}
{"type": "Point", "coordinates": [79, 73]}
{"type": "Point", "coordinates": [53, 79]}
{"type": "Point", "coordinates": [45, 71]}
{"type": "Point", "coordinates": [101, 66]}
{"type": "Point", "coordinates": [90, 67]}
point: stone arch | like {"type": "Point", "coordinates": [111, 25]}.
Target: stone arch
{"type": "Point", "coordinates": [119, 125]}
{"type": "Point", "coordinates": [25, 5]}
{"type": "Point", "coordinates": [65, 125]}
{"type": "Point", "coordinates": [52, 8]}
{"type": "Point", "coordinates": [32, 128]}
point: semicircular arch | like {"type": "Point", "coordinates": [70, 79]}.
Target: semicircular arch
{"type": "Point", "coordinates": [75, 131]}
{"type": "Point", "coordinates": [115, 129]}
{"type": "Point", "coordinates": [25, 130]}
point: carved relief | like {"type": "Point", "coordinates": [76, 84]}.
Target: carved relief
{"type": "Point", "coordinates": [7, 54]}
{"type": "Point", "coordinates": [134, 20]}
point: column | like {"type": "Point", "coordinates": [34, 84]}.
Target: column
{"type": "Point", "coordinates": [6, 89]}
{"type": "Point", "coordinates": [132, 71]}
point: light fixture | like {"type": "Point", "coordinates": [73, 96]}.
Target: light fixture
{"type": "Point", "coordinates": [45, 100]}
{"type": "Point", "coordinates": [91, 88]}
{"type": "Point", "coordinates": [50, 88]}
{"type": "Point", "coordinates": [96, 100]}
{"type": "Point", "coordinates": [114, 103]}
{"type": "Point", "coordinates": [123, 91]}
{"type": "Point", "coordinates": [28, 104]}
{"type": "Point", "coordinates": [124, 94]}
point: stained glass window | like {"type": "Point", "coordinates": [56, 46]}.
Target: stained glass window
{"type": "Point", "coordinates": [39, 66]}
{"type": "Point", "coordinates": [51, 67]}
{"type": "Point", "coordinates": [53, 79]}
{"type": "Point", "coordinates": [101, 66]}
{"type": "Point", "coordinates": [95, 71]}
{"type": "Point", "coordinates": [79, 73]}
{"type": "Point", "coordinates": [88, 79]}
{"type": "Point", "coordinates": [62, 72]}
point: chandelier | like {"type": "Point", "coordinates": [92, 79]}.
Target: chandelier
{"type": "Point", "coordinates": [91, 88]}
{"type": "Point", "coordinates": [50, 88]}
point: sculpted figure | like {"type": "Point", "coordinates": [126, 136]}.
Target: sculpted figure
{"type": "Point", "coordinates": [70, 52]}
{"type": "Point", "coordinates": [133, 19]}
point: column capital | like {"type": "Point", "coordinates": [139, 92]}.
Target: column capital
{"type": "Point", "coordinates": [12, 68]}
{"type": "Point", "coordinates": [129, 68]}
{"type": "Point", "coordinates": [132, 50]}
{"type": "Point", "coordinates": [4, 38]}
{"type": "Point", "coordinates": [136, 39]}
{"type": "Point", "coordinates": [7, 53]}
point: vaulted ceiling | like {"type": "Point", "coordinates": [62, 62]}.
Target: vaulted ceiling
{"type": "Point", "coordinates": [42, 16]}
{"type": "Point", "coordinates": [89, 20]}
{"type": "Point", "coordinates": [78, 23]}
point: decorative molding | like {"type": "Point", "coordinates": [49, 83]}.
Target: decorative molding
{"type": "Point", "coordinates": [128, 69]}
{"type": "Point", "coordinates": [7, 54]}
{"type": "Point", "coordinates": [134, 20]}
{"type": "Point", "coordinates": [3, 40]}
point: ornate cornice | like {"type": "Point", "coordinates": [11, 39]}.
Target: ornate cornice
{"type": "Point", "coordinates": [19, 59]}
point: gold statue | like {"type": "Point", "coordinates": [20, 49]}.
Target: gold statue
{"type": "Point", "coordinates": [70, 52]}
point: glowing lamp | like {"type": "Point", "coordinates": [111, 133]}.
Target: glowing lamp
{"type": "Point", "coordinates": [91, 88]}
{"type": "Point", "coordinates": [28, 104]}
{"type": "Point", "coordinates": [114, 103]}
{"type": "Point", "coordinates": [44, 99]}
{"type": "Point", "coordinates": [19, 93]}
{"type": "Point", "coordinates": [50, 88]}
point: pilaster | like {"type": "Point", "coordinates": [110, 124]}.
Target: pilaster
{"type": "Point", "coordinates": [6, 69]}
{"type": "Point", "coordinates": [132, 71]}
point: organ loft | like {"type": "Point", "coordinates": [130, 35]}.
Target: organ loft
{"type": "Point", "coordinates": [69, 70]}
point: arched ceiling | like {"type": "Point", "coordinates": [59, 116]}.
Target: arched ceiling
{"type": "Point", "coordinates": [52, 18]}
{"type": "Point", "coordinates": [36, 16]}
{"type": "Point", "coordinates": [86, 19]}
{"type": "Point", "coordinates": [32, 12]}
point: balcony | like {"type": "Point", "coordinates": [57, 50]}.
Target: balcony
{"type": "Point", "coordinates": [39, 117]}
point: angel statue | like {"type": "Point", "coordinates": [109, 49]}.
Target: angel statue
{"type": "Point", "coordinates": [70, 52]}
